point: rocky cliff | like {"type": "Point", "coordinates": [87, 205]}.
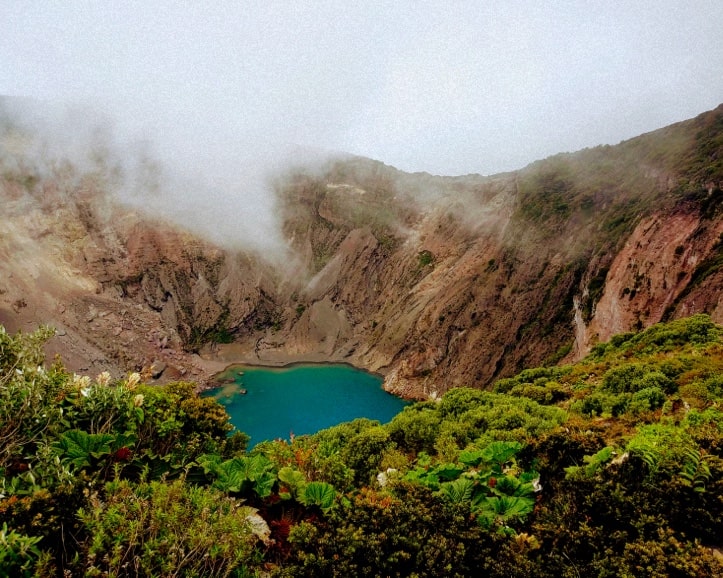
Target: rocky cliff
{"type": "Point", "coordinates": [435, 282]}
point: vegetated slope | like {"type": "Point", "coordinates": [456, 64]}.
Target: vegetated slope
{"type": "Point", "coordinates": [436, 282]}
{"type": "Point", "coordinates": [612, 466]}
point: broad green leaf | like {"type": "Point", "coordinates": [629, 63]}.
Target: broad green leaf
{"type": "Point", "coordinates": [239, 475]}
{"type": "Point", "coordinates": [264, 484]}
{"type": "Point", "coordinates": [498, 453]}
{"type": "Point", "coordinates": [506, 486]}
{"type": "Point", "coordinates": [426, 478]}
{"type": "Point", "coordinates": [230, 476]}
{"type": "Point", "coordinates": [293, 479]}
{"type": "Point", "coordinates": [471, 458]}
{"type": "Point", "coordinates": [209, 462]}
{"type": "Point", "coordinates": [256, 466]}
{"type": "Point", "coordinates": [502, 509]}
{"type": "Point", "coordinates": [78, 447]}
{"type": "Point", "coordinates": [448, 471]}
{"type": "Point", "coordinates": [319, 494]}
{"type": "Point", "coordinates": [594, 463]}
{"type": "Point", "coordinates": [459, 491]}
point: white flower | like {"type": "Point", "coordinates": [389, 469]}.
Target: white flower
{"type": "Point", "coordinates": [81, 381]}
{"type": "Point", "coordinates": [619, 460]}
{"type": "Point", "coordinates": [103, 378]}
{"type": "Point", "coordinates": [138, 400]}
{"type": "Point", "coordinates": [536, 485]}
{"type": "Point", "coordinates": [383, 477]}
{"type": "Point", "coordinates": [133, 380]}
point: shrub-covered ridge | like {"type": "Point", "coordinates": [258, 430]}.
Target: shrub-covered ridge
{"type": "Point", "coordinates": [609, 467]}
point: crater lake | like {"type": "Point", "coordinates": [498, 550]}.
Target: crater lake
{"type": "Point", "coordinates": [276, 402]}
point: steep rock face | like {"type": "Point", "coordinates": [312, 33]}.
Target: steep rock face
{"type": "Point", "coordinates": [124, 291]}
{"type": "Point", "coordinates": [474, 278]}
{"type": "Point", "coordinates": [658, 275]}
{"type": "Point", "coordinates": [435, 282]}
{"type": "Point", "coordinates": [45, 246]}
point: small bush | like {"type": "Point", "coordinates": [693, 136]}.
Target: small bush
{"type": "Point", "coordinates": [424, 258]}
{"type": "Point", "coordinates": [158, 529]}
{"type": "Point", "coordinates": [18, 553]}
{"type": "Point", "coordinates": [415, 429]}
{"type": "Point", "coordinates": [647, 399]}
{"type": "Point", "coordinates": [632, 377]}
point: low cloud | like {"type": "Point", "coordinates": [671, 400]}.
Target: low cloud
{"type": "Point", "coordinates": [225, 194]}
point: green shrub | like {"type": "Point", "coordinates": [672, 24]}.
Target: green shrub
{"type": "Point", "coordinates": [632, 377]}
{"type": "Point", "coordinates": [646, 399]}
{"type": "Point", "coordinates": [643, 512]}
{"type": "Point", "coordinates": [164, 529]}
{"type": "Point", "coordinates": [424, 258]}
{"type": "Point", "coordinates": [602, 403]}
{"type": "Point", "coordinates": [363, 453]}
{"type": "Point", "coordinates": [623, 378]}
{"type": "Point", "coordinates": [407, 533]}
{"type": "Point", "coordinates": [591, 405]}
{"type": "Point", "coordinates": [29, 409]}
{"type": "Point", "coordinates": [714, 385]}
{"type": "Point", "coordinates": [468, 414]}
{"type": "Point", "coordinates": [548, 394]}
{"type": "Point", "coordinates": [694, 331]}
{"type": "Point", "coordinates": [657, 380]}
{"type": "Point", "coordinates": [336, 437]}
{"type": "Point", "coordinates": [177, 422]}
{"type": "Point", "coordinates": [459, 400]}
{"type": "Point", "coordinates": [416, 428]}
{"type": "Point", "coordinates": [18, 553]}
{"type": "Point", "coordinates": [664, 447]}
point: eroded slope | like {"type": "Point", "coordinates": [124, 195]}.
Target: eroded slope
{"type": "Point", "coordinates": [434, 281]}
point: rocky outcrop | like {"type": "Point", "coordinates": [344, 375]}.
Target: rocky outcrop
{"type": "Point", "coordinates": [667, 268]}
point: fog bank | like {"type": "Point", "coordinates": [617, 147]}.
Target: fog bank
{"type": "Point", "coordinates": [223, 193]}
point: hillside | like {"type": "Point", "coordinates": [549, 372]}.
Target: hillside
{"type": "Point", "coordinates": [435, 282]}
{"type": "Point", "coordinates": [612, 466]}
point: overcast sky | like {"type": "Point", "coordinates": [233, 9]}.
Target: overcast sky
{"type": "Point", "coordinates": [445, 87]}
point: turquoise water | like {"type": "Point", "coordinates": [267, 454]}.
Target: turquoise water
{"type": "Point", "coordinates": [302, 399]}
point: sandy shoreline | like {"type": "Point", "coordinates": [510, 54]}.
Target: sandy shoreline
{"type": "Point", "coordinates": [218, 379]}
{"type": "Point", "coordinates": [219, 359]}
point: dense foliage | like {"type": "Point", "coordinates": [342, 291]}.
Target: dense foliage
{"type": "Point", "coordinates": [609, 467]}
